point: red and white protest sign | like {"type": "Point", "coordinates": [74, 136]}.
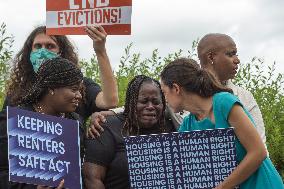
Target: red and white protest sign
{"type": "Point", "coordinates": [64, 17]}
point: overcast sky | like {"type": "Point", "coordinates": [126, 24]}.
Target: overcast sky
{"type": "Point", "coordinates": [255, 25]}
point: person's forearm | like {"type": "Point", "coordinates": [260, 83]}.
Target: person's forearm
{"type": "Point", "coordinates": [109, 85]}
{"type": "Point", "coordinates": [95, 184]}
{"type": "Point", "coordinates": [245, 169]}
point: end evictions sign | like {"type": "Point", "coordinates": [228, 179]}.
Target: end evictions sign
{"type": "Point", "coordinates": [65, 17]}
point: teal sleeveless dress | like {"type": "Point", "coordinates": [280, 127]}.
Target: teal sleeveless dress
{"type": "Point", "coordinates": [266, 176]}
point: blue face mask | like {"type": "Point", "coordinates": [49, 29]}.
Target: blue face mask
{"type": "Point", "coordinates": [37, 57]}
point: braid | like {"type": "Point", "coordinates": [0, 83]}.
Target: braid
{"type": "Point", "coordinates": [53, 73]}
{"type": "Point", "coordinates": [131, 124]}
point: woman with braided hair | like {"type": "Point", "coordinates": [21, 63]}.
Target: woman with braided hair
{"type": "Point", "coordinates": [212, 105]}
{"type": "Point", "coordinates": [55, 92]}
{"type": "Point", "coordinates": [57, 76]}
{"type": "Point", "coordinates": [105, 163]}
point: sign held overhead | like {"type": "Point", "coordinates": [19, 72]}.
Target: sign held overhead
{"type": "Point", "coordinates": [69, 17]}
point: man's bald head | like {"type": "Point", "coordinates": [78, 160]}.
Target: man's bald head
{"type": "Point", "coordinates": [212, 42]}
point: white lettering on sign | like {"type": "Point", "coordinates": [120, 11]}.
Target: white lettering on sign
{"type": "Point", "coordinates": [99, 3]}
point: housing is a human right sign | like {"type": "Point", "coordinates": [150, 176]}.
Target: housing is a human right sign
{"type": "Point", "coordinates": [193, 160]}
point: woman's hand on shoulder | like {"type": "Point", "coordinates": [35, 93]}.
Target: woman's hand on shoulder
{"type": "Point", "coordinates": [98, 35]}
{"type": "Point", "coordinates": [95, 127]}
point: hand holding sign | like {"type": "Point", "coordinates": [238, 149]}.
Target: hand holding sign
{"type": "Point", "coordinates": [61, 185]}
{"type": "Point", "coordinates": [98, 35]}
{"type": "Point", "coordinates": [219, 187]}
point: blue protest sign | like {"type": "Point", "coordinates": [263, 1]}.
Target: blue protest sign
{"type": "Point", "coordinates": [43, 149]}
{"type": "Point", "coordinates": [195, 159]}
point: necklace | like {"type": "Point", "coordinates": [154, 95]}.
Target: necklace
{"type": "Point", "coordinates": [39, 109]}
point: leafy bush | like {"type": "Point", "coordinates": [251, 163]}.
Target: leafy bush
{"type": "Point", "coordinates": [267, 88]}
{"type": "Point", "coordinates": [131, 64]}
{"type": "Point", "coordinates": [6, 42]}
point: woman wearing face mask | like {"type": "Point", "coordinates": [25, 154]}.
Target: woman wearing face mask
{"type": "Point", "coordinates": [105, 163]}
{"type": "Point", "coordinates": [56, 92]}
{"type": "Point", "coordinates": [39, 47]}
{"type": "Point", "coordinates": [211, 105]}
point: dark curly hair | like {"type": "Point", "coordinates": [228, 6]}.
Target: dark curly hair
{"type": "Point", "coordinates": [131, 125]}
{"type": "Point", "coordinates": [22, 75]}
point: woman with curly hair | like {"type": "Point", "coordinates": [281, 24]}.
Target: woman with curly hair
{"type": "Point", "coordinates": [39, 46]}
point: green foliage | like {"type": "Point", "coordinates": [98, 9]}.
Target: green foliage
{"type": "Point", "coordinates": [6, 42]}
{"type": "Point", "coordinates": [132, 65]}
{"type": "Point", "coordinates": [91, 69]}
{"type": "Point", "coordinates": [267, 88]}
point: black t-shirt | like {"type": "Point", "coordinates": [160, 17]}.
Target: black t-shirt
{"type": "Point", "coordinates": [4, 167]}
{"type": "Point", "coordinates": [86, 108]}
{"type": "Point", "coordinates": [92, 90]}
{"type": "Point", "coordinates": [109, 151]}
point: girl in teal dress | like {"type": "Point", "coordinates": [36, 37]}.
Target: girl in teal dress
{"type": "Point", "coordinates": [188, 87]}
